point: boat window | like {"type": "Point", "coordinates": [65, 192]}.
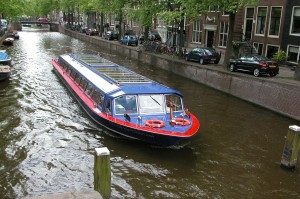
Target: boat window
{"type": "Point", "coordinates": [73, 73]}
{"type": "Point", "coordinates": [77, 78]}
{"type": "Point", "coordinates": [89, 90]}
{"type": "Point", "coordinates": [83, 84]}
{"type": "Point", "coordinates": [98, 98]}
{"type": "Point", "coordinates": [175, 101]}
{"type": "Point", "coordinates": [151, 103]}
{"type": "Point", "coordinates": [108, 107]}
{"type": "Point", "coordinates": [66, 67]}
{"type": "Point", "coordinates": [126, 104]}
{"type": "Point", "coordinates": [69, 71]}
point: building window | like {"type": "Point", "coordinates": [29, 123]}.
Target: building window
{"type": "Point", "coordinates": [259, 48]}
{"type": "Point", "coordinates": [271, 50]}
{"type": "Point", "coordinates": [261, 20]}
{"type": "Point", "coordinates": [275, 21]}
{"type": "Point", "coordinates": [295, 27]}
{"type": "Point", "coordinates": [214, 8]}
{"type": "Point", "coordinates": [293, 53]}
{"type": "Point", "coordinates": [197, 32]}
{"type": "Point", "coordinates": [223, 36]}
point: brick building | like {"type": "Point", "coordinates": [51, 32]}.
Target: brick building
{"type": "Point", "coordinates": [267, 27]}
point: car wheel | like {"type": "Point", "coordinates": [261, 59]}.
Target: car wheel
{"type": "Point", "coordinates": [216, 62]}
{"type": "Point", "coordinates": [256, 72]}
{"type": "Point", "coordinates": [232, 68]}
{"type": "Point", "coordinates": [272, 74]}
{"type": "Point", "coordinates": [187, 58]}
{"type": "Point", "coordinates": [201, 61]}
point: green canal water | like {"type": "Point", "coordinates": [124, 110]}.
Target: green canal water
{"type": "Point", "coordinates": [47, 141]}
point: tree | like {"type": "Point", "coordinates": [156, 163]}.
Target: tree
{"type": "Point", "coordinates": [12, 9]}
{"type": "Point", "coordinates": [115, 7]}
{"type": "Point", "coordinates": [143, 12]}
{"type": "Point", "coordinates": [175, 14]}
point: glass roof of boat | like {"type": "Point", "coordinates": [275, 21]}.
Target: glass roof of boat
{"type": "Point", "coordinates": [93, 60]}
{"type": "Point", "coordinates": [122, 76]}
{"type": "Point", "coordinates": [111, 70]}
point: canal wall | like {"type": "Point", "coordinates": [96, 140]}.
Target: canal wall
{"type": "Point", "coordinates": [279, 96]}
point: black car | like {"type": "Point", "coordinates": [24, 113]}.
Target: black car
{"type": "Point", "coordinates": [203, 55]}
{"type": "Point", "coordinates": [111, 35]}
{"type": "Point", "coordinates": [256, 64]}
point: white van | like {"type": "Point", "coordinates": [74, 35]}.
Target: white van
{"type": "Point", "coordinates": [4, 24]}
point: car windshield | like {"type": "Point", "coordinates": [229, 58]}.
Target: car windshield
{"type": "Point", "coordinates": [208, 52]}
{"type": "Point", "coordinates": [212, 50]}
{"type": "Point", "coordinates": [261, 58]}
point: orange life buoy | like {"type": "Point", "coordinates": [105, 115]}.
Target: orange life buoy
{"type": "Point", "coordinates": [155, 123]}
{"type": "Point", "coordinates": [182, 121]}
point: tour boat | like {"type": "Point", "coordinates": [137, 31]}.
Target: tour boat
{"type": "Point", "coordinates": [125, 102]}
{"type": "Point", "coordinates": [5, 59]}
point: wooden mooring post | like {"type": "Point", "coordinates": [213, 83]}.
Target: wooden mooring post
{"type": "Point", "coordinates": [291, 148]}
{"type": "Point", "coordinates": [102, 172]}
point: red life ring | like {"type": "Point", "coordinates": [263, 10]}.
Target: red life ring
{"type": "Point", "coordinates": [155, 123]}
{"type": "Point", "coordinates": [182, 121]}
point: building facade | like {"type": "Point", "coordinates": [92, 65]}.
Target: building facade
{"type": "Point", "coordinates": [291, 34]}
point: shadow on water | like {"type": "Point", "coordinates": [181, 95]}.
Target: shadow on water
{"type": "Point", "coordinates": [4, 84]}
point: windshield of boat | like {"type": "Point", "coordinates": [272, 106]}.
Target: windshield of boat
{"type": "Point", "coordinates": [125, 104]}
{"type": "Point", "coordinates": [175, 102]}
{"type": "Point", "coordinates": [148, 104]}
{"type": "Point", "coordinates": [151, 103]}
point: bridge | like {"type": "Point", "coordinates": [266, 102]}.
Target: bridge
{"type": "Point", "coordinates": [38, 22]}
{"type": "Point", "coordinates": [53, 25]}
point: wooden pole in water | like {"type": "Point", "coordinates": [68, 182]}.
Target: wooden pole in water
{"type": "Point", "coordinates": [291, 149]}
{"type": "Point", "coordinates": [102, 172]}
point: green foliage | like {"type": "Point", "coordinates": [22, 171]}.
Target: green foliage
{"type": "Point", "coordinates": [12, 9]}
{"type": "Point", "coordinates": [280, 56]}
{"type": "Point", "coordinates": [143, 11]}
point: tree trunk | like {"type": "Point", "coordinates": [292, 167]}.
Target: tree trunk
{"type": "Point", "coordinates": [101, 24]}
{"type": "Point", "coordinates": [181, 37]}
{"type": "Point", "coordinates": [146, 35]}
{"type": "Point", "coordinates": [297, 72]}
{"type": "Point", "coordinates": [229, 47]}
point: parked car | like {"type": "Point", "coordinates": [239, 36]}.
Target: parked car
{"type": "Point", "coordinates": [151, 37]}
{"type": "Point", "coordinates": [3, 24]}
{"type": "Point", "coordinates": [129, 40]}
{"type": "Point", "coordinates": [203, 55]}
{"type": "Point", "coordinates": [83, 29]}
{"type": "Point", "coordinates": [92, 32]}
{"type": "Point", "coordinates": [256, 64]}
{"type": "Point", "coordinates": [111, 35]}
{"type": "Point", "coordinates": [154, 37]}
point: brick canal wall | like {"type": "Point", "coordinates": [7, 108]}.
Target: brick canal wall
{"type": "Point", "coordinates": [273, 94]}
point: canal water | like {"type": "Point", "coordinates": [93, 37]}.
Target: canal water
{"type": "Point", "coordinates": [47, 140]}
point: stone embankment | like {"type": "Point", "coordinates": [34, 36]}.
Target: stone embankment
{"type": "Point", "coordinates": [279, 94]}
